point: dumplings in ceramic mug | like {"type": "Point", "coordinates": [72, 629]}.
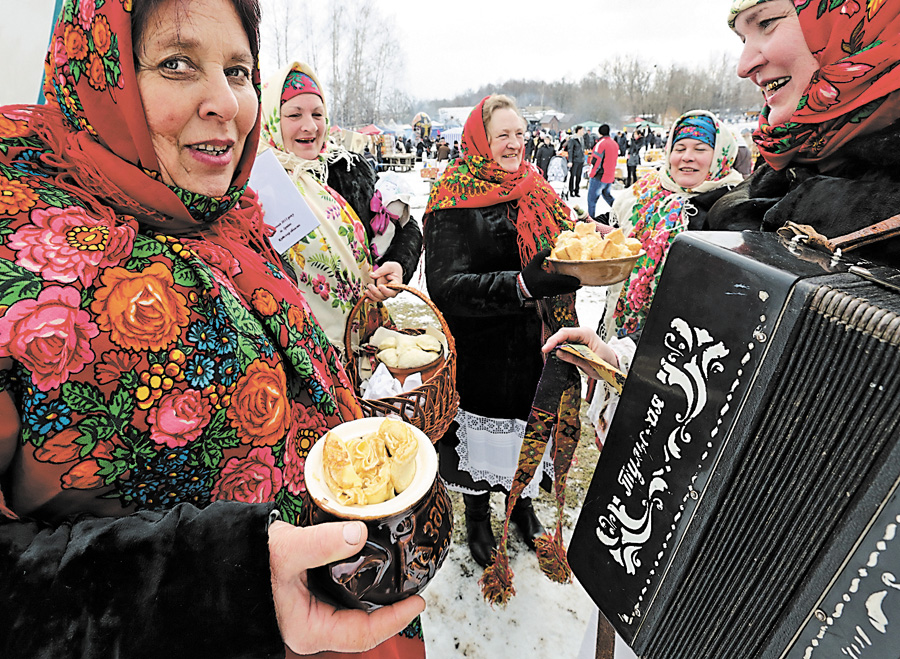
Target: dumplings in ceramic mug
{"type": "Point", "coordinates": [372, 468]}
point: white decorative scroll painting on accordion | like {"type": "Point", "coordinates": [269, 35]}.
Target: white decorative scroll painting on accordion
{"type": "Point", "coordinates": [856, 645]}
{"type": "Point", "coordinates": [693, 356]}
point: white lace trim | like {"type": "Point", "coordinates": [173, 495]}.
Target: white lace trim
{"type": "Point", "coordinates": [489, 450]}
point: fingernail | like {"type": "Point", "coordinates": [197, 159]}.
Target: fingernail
{"type": "Point", "coordinates": [352, 533]}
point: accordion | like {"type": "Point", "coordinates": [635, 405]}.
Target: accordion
{"type": "Point", "coordinates": [746, 501]}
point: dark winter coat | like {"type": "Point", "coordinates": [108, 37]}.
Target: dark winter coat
{"type": "Point", "coordinates": [575, 149]}
{"type": "Point", "coordinates": [356, 184]}
{"type": "Point", "coordinates": [471, 264]}
{"type": "Point", "coordinates": [863, 190]}
{"type": "Point", "coordinates": [202, 576]}
{"type": "Point", "coordinates": [544, 153]}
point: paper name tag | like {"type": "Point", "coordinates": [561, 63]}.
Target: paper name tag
{"type": "Point", "coordinates": [285, 208]}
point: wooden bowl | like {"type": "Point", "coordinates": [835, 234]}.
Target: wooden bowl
{"type": "Point", "coordinates": [601, 272]}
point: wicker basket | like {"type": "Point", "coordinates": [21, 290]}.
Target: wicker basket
{"type": "Point", "coordinates": [430, 407]}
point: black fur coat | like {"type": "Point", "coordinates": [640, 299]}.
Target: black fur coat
{"type": "Point", "coordinates": [861, 191]}
{"type": "Point", "coordinates": [186, 583]}
{"type": "Point", "coordinates": [356, 184]}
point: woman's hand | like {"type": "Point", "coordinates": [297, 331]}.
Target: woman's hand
{"type": "Point", "coordinates": [389, 272]}
{"type": "Point", "coordinates": [308, 625]}
{"type": "Point", "coordinates": [584, 336]}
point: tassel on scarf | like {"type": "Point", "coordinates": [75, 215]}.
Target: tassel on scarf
{"type": "Point", "coordinates": [496, 582]}
{"type": "Point", "coordinates": [552, 557]}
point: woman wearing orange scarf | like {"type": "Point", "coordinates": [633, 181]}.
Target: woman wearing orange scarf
{"type": "Point", "coordinates": [161, 379]}
{"type": "Point", "coordinates": [490, 222]}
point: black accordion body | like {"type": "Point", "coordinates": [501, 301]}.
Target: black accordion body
{"type": "Point", "coordinates": [746, 503]}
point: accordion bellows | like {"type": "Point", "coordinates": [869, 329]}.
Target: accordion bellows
{"type": "Point", "coordinates": [745, 503]}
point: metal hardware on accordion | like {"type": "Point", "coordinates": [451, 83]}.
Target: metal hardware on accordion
{"type": "Point", "coordinates": [746, 504]}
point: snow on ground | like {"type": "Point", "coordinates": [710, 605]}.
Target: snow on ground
{"type": "Point", "coordinates": [544, 619]}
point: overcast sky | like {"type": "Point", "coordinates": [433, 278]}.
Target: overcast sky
{"type": "Point", "coordinates": [458, 45]}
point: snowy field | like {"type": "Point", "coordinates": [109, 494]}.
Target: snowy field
{"type": "Point", "coordinates": [544, 619]}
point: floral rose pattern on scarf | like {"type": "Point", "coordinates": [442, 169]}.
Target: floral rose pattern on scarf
{"type": "Point", "coordinates": [149, 368]}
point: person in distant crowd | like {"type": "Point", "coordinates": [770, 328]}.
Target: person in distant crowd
{"type": "Point", "coordinates": [489, 223]}
{"type": "Point", "coordinates": [602, 175]}
{"type": "Point", "coordinates": [536, 140]}
{"type": "Point", "coordinates": [744, 162]}
{"type": "Point", "coordinates": [454, 152]}
{"type": "Point", "coordinates": [420, 150]}
{"type": "Point", "coordinates": [622, 141]}
{"type": "Point", "coordinates": [530, 146]}
{"type": "Point", "coordinates": [575, 151]}
{"type": "Point", "coordinates": [408, 144]}
{"type": "Point", "coordinates": [633, 156]}
{"type": "Point", "coordinates": [589, 140]}
{"type": "Point", "coordinates": [544, 153]}
{"type": "Point", "coordinates": [443, 151]}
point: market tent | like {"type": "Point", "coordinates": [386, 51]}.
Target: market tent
{"type": "Point", "coordinates": [634, 124]}
{"type": "Point", "coordinates": [452, 135]}
{"type": "Point", "coordinates": [371, 129]}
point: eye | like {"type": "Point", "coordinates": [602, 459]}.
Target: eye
{"type": "Point", "coordinates": [174, 65]}
{"type": "Point", "coordinates": [240, 72]}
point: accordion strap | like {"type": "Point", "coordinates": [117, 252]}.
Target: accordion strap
{"type": "Point", "coordinates": [874, 233]}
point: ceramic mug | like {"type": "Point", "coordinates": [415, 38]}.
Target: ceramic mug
{"type": "Point", "coordinates": [409, 535]}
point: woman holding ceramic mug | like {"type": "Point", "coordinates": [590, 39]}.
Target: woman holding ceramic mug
{"type": "Point", "coordinates": [161, 376]}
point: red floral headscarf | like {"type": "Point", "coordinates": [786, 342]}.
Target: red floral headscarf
{"type": "Point", "coordinates": [855, 90]}
{"type": "Point", "coordinates": [476, 180]}
{"type": "Point", "coordinates": [90, 77]}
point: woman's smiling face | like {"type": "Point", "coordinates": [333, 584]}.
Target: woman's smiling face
{"type": "Point", "coordinates": [506, 137]}
{"type": "Point", "coordinates": [303, 125]}
{"type": "Point", "coordinates": [689, 162]}
{"type": "Point", "coordinates": [775, 56]}
{"type": "Point", "coordinates": [195, 79]}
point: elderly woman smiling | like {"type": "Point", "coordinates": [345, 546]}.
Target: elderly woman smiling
{"type": "Point", "coordinates": [488, 222]}
{"type": "Point", "coordinates": [829, 131]}
{"type": "Point", "coordinates": [161, 377]}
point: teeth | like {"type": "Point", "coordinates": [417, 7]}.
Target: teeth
{"type": "Point", "coordinates": [209, 148]}
{"type": "Point", "coordinates": [775, 84]}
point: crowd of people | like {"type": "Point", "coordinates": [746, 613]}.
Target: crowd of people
{"type": "Point", "coordinates": [164, 370]}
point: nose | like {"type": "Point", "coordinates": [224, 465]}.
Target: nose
{"type": "Point", "coordinates": [219, 100]}
{"type": "Point", "coordinates": [751, 58]}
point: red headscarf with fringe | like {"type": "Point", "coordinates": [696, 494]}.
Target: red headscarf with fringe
{"type": "Point", "coordinates": [475, 181]}
{"type": "Point", "coordinates": [856, 90]}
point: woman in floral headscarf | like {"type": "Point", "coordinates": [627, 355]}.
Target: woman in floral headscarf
{"type": "Point", "coordinates": [161, 379]}
{"type": "Point", "coordinates": [346, 257]}
{"type": "Point", "coordinates": [829, 131]}
{"type": "Point", "coordinates": [490, 222]}
{"type": "Point", "coordinates": [700, 154]}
